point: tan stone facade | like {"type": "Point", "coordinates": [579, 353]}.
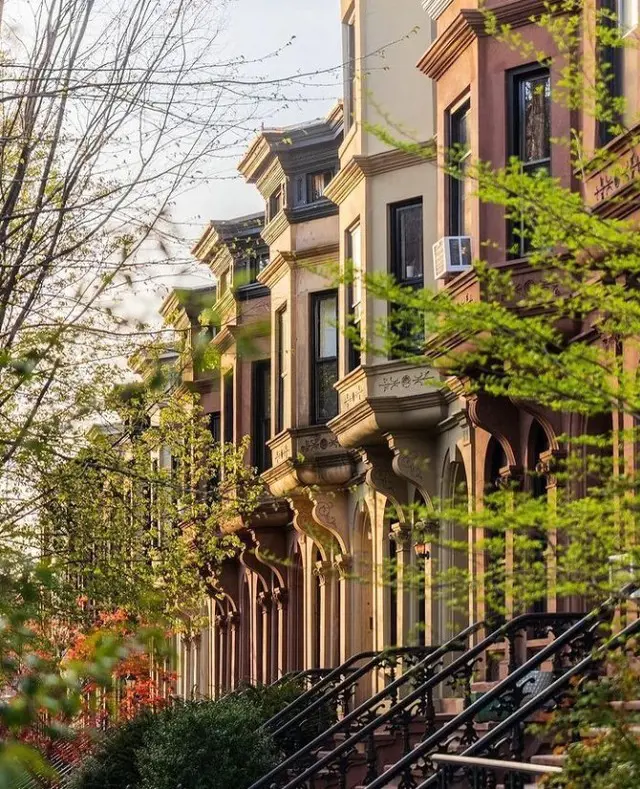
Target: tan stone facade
{"type": "Point", "coordinates": [354, 438]}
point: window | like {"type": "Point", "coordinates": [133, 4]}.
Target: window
{"type": "Point", "coordinates": [459, 154]}
{"type": "Point", "coordinates": [281, 362]}
{"type": "Point", "coordinates": [214, 426]}
{"type": "Point", "coordinates": [349, 48]}
{"type": "Point", "coordinates": [405, 232]}
{"type": "Point", "coordinates": [276, 202]}
{"type": "Point", "coordinates": [228, 407]}
{"type": "Point", "coordinates": [261, 402]}
{"type": "Point", "coordinates": [407, 249]}
{"type": "Point", "coordinates": [316, 184]}
{"type": "Point", "coordinates": [249, 268]}
{"type": "Point", "coordinates": [223, 284]}
{"type": "Point", "coordinates": [354, 256]}
{"type": "Point", "coordinates": [324, 372]}
{"type": "Point", "coordinates": [530, 138]}
{"type": "Point", "coordinates": [611, 64]}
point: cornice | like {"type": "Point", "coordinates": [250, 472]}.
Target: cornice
{"type": "Point", "coordinates": [346, 180]}
{"type": "Point", "coordinates": [275, 269]}
{"type": "Point", "coordinates": [360, 167]}
{"type": "Point", "coordinates": [469, 25]}
{"type": "Point", "coordinates": [275, 227]}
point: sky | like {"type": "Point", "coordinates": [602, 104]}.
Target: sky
{"type": "Point", "coordinates": [256, 28]}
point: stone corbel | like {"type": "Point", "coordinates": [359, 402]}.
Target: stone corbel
{"type": "Point", "coordinates": [314, 519]}
{"type": "Point", "coordinates": [234, 619]}
{"type": "Point", "coordinates": [381, 476]}
{"type": "Point", "coordinates": [411, 459]}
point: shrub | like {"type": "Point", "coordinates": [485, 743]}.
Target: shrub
{"type": "Point", "coordinates": [114, 765]}
{"type": "Point", "coordinates": [206, 745]}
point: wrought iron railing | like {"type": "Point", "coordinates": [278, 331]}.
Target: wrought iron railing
{"type": "Point", "coordinates": [567, 649]}
{"type": "Point", "coordinates": [421, 663]}
{"type": "Point", "coordinates": [497, 744]}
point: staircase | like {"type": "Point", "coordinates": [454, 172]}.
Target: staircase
{"type": "Point", "coordinates": [398, 738]}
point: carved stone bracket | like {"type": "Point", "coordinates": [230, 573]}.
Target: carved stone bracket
{"type": "Point", "coordinates": [381, 476]}
{"type": "Point", "coordinates": [234, 619]}
{"type": "Point", "coordinates": [412, 455]}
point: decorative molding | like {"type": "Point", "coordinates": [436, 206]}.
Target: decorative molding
{"type": "Point", "coordinates": [344, 182]}
{"type": "Point", "coordinates": [469, 25]}
{"type": "Point", "coordinates": [275, 227]}
{"type": "Point", "coordinates": [360, 167]}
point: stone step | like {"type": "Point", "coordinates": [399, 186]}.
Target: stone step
{"type": "Point", "coordinates": [551, 759]}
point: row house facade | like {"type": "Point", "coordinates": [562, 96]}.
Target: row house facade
{"type": "Point", "coordinates": [346, 440]}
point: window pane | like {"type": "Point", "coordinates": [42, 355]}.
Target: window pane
{"type": "Point", "coordinates": [326, 395]}
{"type": "Point", "coordinates": [535, 118]}
{"type": "Point", "coordinates": [328, 330]}
{"type": "Point", "coordinates": [354, 253]}
{"type": "Point", "coordinates": [409, 238]}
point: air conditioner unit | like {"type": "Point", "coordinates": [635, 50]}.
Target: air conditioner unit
{"type": "Point", "coordinates": [451, 255]}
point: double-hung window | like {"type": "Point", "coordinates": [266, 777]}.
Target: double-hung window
{"type": "Point", "coordinates": [459, 155]}
{"type": "Point", "coordinates": [354, 259]}
{"type": "Point", "coordinates": [350, 71]}
{"type": "Point", "coordinates": [261, 402]}
{"type": "Point", "coordinates": [281, 365]}
{"type": "Point", "coordinates": [407, 267]}
{"type": "Point", "coordinates": [228, 412]}
{"type": "Point", "coordinates": [324, 372]}
{"type": "Point", "coordinates": [530, 114]}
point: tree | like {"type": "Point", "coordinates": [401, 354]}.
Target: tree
{"type": "Point", "coordinates": [142, 521]}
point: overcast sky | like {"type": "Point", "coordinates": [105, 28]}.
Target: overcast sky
{"type": "Point", "coordinates": [256, 28]}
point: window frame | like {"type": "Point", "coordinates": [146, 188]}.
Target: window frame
{"type": "Point", "coordinates": [354, 355]}
{"type": "Point", "coordinates": [281, 367]}
{"type": "Point", "coordinates": [228, 406]}
{"type": "Point", "coordinates": [261, 417]}
{"type": "Point", "coordinates": [515, 80]}
{"type": "Point", "coordinates": [316, 300]}
{"type": "Point", "coordinates": [456, 204]}
{"type": "Point", "coordinates": [350, 69]}
{"type": "Point", "coordinates": [395, 242]}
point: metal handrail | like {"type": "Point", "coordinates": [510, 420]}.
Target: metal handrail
{"type": "Point", "coordinates": [354, 676]}
{"type": "Point", "coordinates": [495, 764]}
{"type": "Point", "coordinates": [511, 681]}
{"type": "Point", "coordinates": [551, 693]}
{"type": "Point", "coordinates": [315, 689]}
{"type": "Point", "coordinates": [435, 653]}
{"type": "Point", "coordinates": [519, 623]}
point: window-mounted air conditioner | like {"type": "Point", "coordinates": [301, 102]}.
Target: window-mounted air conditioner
{"type": "Point", "coordinates": [451, 255]}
